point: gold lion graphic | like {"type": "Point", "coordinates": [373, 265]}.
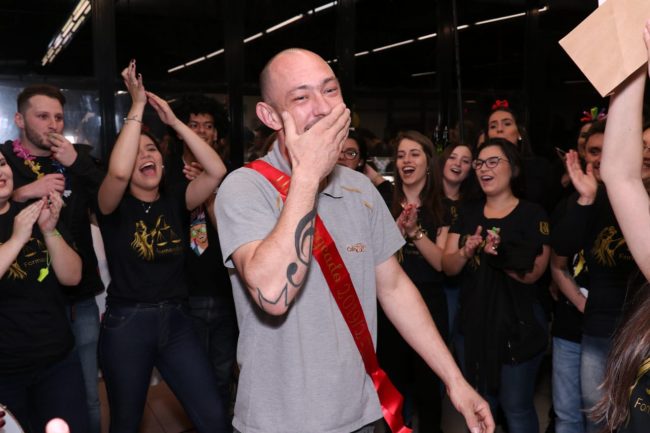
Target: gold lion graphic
{"type": "Point", "coordinates": [145, 241]}
{"type": "Point", "coordinates": [606, 245]}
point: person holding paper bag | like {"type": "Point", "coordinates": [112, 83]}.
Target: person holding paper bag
{"type": "Point", "coordinates": [624, 170]}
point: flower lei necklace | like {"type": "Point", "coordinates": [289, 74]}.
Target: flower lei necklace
{"type": "Point", "coordinates": [28, 158]}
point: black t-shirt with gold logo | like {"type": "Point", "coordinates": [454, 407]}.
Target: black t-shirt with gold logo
{"type": "Point", "coordinates": [639, 420]}
{"type": "Point", "coordinates": [34, 330]}
{"type": "Point", "coordinates": [594, 230]}
{"type": "Point", "coordinates": [145, 247]}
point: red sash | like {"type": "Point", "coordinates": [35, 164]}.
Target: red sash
{"type": "Point", "coordinates": [342, 289]}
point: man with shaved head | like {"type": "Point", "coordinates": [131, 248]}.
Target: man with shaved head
{"type": "Point", "coordinates": [300, 334]}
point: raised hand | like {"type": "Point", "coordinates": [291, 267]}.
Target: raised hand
{"type": "Point", "coordinates": [163, 109]}
{"type": "Point", "coordinates": [316, 151]}
{"type": "Point", "coordinates": [62, 150]}
{"type": "Point", "coordinates": [24, 221]}
{"type": "Point", "coordinates": [583, 181]}
{"type": "Point", "coordinates": [133, 83]}
{"type": "Point", "coordinates": [50, 212]}
{"type": "Point", "coordinates": [473, 242]}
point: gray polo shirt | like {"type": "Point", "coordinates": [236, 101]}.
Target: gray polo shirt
{"type": "Point", "coordinates": [302, 372]}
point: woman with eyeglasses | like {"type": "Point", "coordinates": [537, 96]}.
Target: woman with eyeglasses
{"type": "Point", "coordinates": [499, 245]}
{"type": "Point", "coordinates": [417, 206]}
{"type": "Point", "coordinates": [354, 155]}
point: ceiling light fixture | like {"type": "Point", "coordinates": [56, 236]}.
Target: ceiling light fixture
{"type": "Point", "coordinates": [257, 35]}
{"type": "Point", "coordinates": [63, 37]}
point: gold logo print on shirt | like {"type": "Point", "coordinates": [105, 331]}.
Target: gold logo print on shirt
{"type": "Point", "coordinates": [159, 240]}
{"type": "Point", "coordinates": [33, 253]}
{"type": "Point", "coordinates": [606, 245]}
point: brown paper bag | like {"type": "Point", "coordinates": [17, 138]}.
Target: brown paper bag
{"type": "Point", "coordinates": [608, 45]}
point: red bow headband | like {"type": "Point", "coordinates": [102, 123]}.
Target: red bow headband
{"type": "Point", "coordinates": [500, 103]}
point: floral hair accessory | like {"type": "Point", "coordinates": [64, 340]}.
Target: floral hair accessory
{"type": "Point", "coordinates": [500, 103]}
{"type": "Point", "coordinates": [593, 115]}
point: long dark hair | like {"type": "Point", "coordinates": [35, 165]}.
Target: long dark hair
{"type": "Point", "coordinates": [469, 187]}
{"type": "Point", "coordinates": [523, 145]}
{"type": "Point", "coordinates": [630, 349]}
{"type": "Point", "coordinates": [431, 195]}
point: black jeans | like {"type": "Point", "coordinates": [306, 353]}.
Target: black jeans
{"type": "Point", "coordinates": [55, 391]}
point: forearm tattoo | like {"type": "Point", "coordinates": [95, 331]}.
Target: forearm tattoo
{"type": "Point", "coordinates": [303, 243]}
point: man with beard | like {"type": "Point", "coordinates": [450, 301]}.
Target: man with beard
{"type": "Point", "coordinates": [43, 160]}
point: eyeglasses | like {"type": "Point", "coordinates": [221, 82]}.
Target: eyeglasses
{"type": "Point", "coordinates": [491, 162]}
{"type": "Point", "coordinates": [349, 154]}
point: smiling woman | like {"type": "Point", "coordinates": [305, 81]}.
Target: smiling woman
{"type": "Point", "coordinates": [499, 244]}
{"type": "Point", "coordinates": [145, 236]}
{"type": "Point", "coordinates": [417, 206]}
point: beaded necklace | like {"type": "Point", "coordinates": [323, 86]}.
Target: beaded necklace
{"type": "Point", "coordinates": [28, 159]}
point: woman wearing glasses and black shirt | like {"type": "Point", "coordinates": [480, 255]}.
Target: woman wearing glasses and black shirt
{"type": "Point", "coordinates": [499, 245]}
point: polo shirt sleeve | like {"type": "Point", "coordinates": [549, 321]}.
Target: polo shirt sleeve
{"type": "Point", "coordinates": [247, 209]}
{"type": "Point", "coordinates": [386, 237]}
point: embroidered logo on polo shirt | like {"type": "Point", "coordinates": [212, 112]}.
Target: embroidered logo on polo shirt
{"type": "Point", "coordinates": [356, 248]}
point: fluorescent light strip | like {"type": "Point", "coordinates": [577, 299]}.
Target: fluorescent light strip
{"type": "Point", "coordinates": [78, 23]}
{"type": "Point", "coordinates": [325, 6]}
{"type": "Point", "coordinates": [361, 53]}
{"type": "Point", "coordinates": [422, 74]}
{"type": "Point", "coordinates": [284, 23]}
{"type": "Point", "coordinates": [78, 10]}
{"type": "Point", "coordinates": [260, 34]}
{"type": "Point", "coordinates": [215, 53]}
{"type": "Point", "coordinates": [177, 68]}
{"type": "Point", "coordinates": [87, 9]}
{"type": "Point", "coordinates": [429, 36]}
{"type": "Point", "coordinates": [494, 20]}
{"type": "Point", "coordinates": [397, 44]}
{"type": "Point", "coordinates": [195, 61]}
{"type": "Point", "coordinates": [252, 38]}
{"type": "Point", "coordinates": [463, 27]}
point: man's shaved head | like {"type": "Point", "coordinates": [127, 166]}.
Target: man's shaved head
{"type": "Point", "coordinates": [271, 69]}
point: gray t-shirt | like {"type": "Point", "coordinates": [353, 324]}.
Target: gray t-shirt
{"type": "Point", "coordinates": [301, 372]}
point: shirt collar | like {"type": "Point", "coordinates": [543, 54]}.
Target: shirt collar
{"type": "Point", "coordinates": [276, 159]}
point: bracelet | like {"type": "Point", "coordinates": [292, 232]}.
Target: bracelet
{"type": "Point", "coordinates": [419, 234]}
{"type": "Point", "coordinates": [126, 119]}
{"type": "Point", "coordinates": [53, 234]}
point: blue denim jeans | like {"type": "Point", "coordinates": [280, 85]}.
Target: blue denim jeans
{"type": "Point", "coordinates": [592, 372]}
{"type": "Point", "coordinates": [136, 337]}
{"type": "Point", "coordinates": [567, 401]}
{"type": "Point", "coordinates": [55, 391]}
{"type": "Point", "coordinates": [452, 294]}
{"type": "Point", "coordinates": [516, 387]}
{"type": "Point", "coordinates": [215, 323]}
{"type": "Point", "coordinates": [84, 322]}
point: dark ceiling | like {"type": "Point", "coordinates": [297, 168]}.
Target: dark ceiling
{"type": "Point", "coordinates": [162, 34]}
